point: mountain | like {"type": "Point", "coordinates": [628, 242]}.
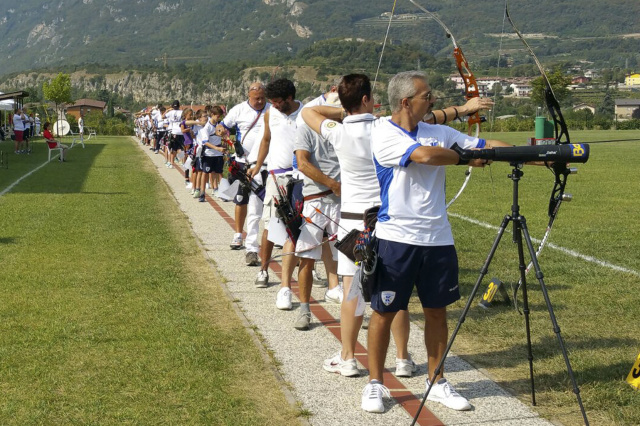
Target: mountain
{"type": "Point", "coordinates": [40, 34]}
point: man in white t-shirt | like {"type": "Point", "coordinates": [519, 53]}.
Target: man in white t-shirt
{"type": "Point", "coordinates": [174, 117]}
{"type": "Point", "coordinates": [38, 124]}
{"type": "Point", "coordinates": [277, 143]}
{"type": "Point", "coordinates": [247, 118]}
{"type": "Point", "coordinates": [18, 129]}
{"type": "Point", "coordinates": [351, 140]}
{"type": "Point", "coordinates": [81, 127]}
{"type": "Point", "coordinates": [414, 238]}
{"type": "Point", "coordinates": [317, 161]}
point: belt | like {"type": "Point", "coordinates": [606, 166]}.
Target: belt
{"type": "Point", "coordinates": [351, 216]}
{"type": "Point", "coordinates": [280, 171]}
{"type": "Point", "coordinates": [319, 195]}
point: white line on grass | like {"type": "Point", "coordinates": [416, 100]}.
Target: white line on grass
{"type": "Point", "coordinates": [554, 246]}
{"type": "Point", "coordinates": [10, 187]}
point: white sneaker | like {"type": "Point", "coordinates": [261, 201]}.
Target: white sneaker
{"type": "Point", "coordinates": [334, 295]}
{"type": "Point", "coordinates": [317, 281]}
{"type": "Point", "coordinates": [446, 395]}
{"type": "Point", "coordinates": [405, 367]}
{"type": "Point", "coordinates": [262, 281]}
{"type": "Point", "coordinates": [208, 185]}
{"type": "Point", "coordinates": [188, 185]}
{"type": "Point", "coordinates": [336, 364]}
{"type": "Point", "coordinates": [236, 243]}
{"type": "Point", "coordinates": [303, 322]}
{"type": "Point", "coordinates": [372, 397]}
{"type": "Point", "coordinates": [283, 299]}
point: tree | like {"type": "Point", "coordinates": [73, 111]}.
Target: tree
{"type": "Point", "coordinates": [559, 83]}
{"type": "Point", "coordinates": [607, 107]}
{"type": "Point", "coordinates": [58, 90]}
{"type": "Point", "coordinates": [110, 109]}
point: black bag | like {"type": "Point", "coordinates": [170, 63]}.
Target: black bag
{"type": "Point", "coordinates": [347, 244]}
{"type": "Point", "coordinates": [366, 276]}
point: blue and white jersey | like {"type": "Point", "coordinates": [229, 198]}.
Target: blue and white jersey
{"type": "Point", "coordinates": [413, 208]}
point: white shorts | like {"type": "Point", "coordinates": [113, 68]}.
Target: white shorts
{"type": "Point", "coordinates": [312, 235]}
{"type": "Point", "coordinates": [346, 266]}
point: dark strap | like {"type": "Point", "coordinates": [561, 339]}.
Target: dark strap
{"type": "Point", "coordinates": [318, 195]}
{"type": "Point", "coordinates": [280, 171]}
{"type": "Point", "coordinates": [253, 124]}
{"type": "Point", "coordinates": [351, 216]}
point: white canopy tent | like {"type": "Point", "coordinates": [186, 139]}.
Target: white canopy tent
{"type": "Point", "coordinates": [6, 105]}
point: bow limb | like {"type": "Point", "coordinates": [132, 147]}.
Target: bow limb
{"type": "Point", "coordinates": [560, 170]}
{"type": "Point", "coordinates": [561, 130]}
{"type": "Point", "coordinates": [470, 90]}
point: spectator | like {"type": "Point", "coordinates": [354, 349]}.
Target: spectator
{"type": "Point", "coordinates": [48, 137]}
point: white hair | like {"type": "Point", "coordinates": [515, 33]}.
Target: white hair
{"type": "Point", "coordinates": [401, 86]}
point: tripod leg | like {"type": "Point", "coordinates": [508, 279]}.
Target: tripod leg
{"type": "Point", "coordinates": [517, 234]}
{"type": "Point", "coordinates": [556, 327]}
{"type": "Point", "coordinates": [465, 311]}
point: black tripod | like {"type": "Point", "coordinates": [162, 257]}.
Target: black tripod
{"type": "Point", "coordinates": [519, 228]}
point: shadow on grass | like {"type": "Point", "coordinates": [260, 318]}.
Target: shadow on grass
{"type": "Point", "coordinates": [559, 381]}
{"type": "Point", "coordinates": [546, 348]}
{"type": "Point", "coordinates": [7, 240]}
{"type": "Point", "coordinates": [55, 177]}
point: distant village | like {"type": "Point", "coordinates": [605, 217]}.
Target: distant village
{"type": "Point", "coordinates": [520, 87]}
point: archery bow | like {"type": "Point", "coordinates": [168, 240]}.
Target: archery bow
{"type": "Point", "coordinates": [560, 170]}
{"type": "Point", "coordinates": [470, 89]}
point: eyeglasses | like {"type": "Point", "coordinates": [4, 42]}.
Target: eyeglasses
{"type": "Point", "coordinates": [426, 98]}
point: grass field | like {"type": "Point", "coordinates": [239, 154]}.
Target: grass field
{"type": "Point", "coordinates": [596, 307]}
{"type": "Point", "coordinates": [100, 320]}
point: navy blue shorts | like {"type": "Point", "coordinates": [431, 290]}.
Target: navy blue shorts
{"type": "Point", "coordinates": [432, 270]}
{"type": "Point", "coordinates": [212, 164]}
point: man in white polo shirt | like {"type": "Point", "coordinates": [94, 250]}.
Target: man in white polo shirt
{"type": "Point", "coordinates": [277, 143]}
{"type": "Point", "coordinates": [351, 140]}
{"type": "Point", "coordinates": [248, 120]}
{"type": "Point", "coordinates": [415, 242]}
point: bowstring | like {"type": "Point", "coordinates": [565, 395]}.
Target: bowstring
{"type": "Point", "coordinates": [384, 44]}
{"type": "Point", "coordinates": [495, 91]}
{"type": "Point", "coordinates": [493, 111]}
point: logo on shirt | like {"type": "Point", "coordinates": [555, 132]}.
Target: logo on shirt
{"type": "Point", "coordinates": [331, 124]}
{"type": "Point", "coordinates": [388, 297]}
{"type": "Point", "coordinates": [430, 142]}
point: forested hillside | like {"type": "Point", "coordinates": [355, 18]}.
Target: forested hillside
{"type": "Point", "coordinates": [40, 34]}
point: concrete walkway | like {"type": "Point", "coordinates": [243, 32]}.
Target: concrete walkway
{"type": "Point", "coordinates": [330, 398]}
